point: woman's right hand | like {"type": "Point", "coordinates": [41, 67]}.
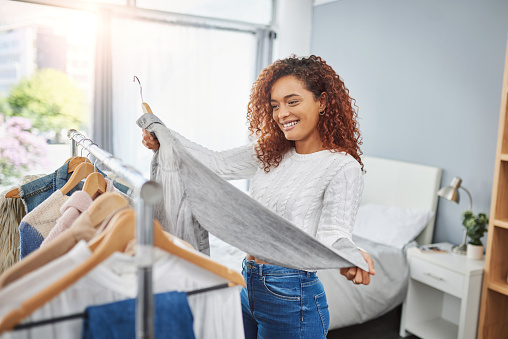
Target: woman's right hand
{"type": "Point", "coordinates": [149, 141]}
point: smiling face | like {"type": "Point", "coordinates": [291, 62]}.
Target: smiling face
{"type": "Point", "coordinates": [296, 112]}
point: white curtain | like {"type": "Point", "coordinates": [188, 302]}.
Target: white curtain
{"type": "Point", "coordinates": [197, 80]}
{"type": "Point", "coordinates": [102, 108]}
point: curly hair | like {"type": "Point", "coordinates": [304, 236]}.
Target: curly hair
{"type": "Point", "coordinates": [338, 127]}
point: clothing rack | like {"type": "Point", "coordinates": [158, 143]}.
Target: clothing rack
{"type": "Point", "coordinates": [146, 194]}
{"type": "Point", "coordinates": [83, 315]}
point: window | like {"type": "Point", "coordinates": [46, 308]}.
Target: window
{"type": "Point", "coordinates": [196, 80]}
{"type": "Point", "coordinates": [196, 61]}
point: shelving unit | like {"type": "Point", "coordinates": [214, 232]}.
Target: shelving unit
{"type": "Point", "coordinates": [493, 321]}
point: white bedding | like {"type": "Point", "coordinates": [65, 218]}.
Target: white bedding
{"type": "Point", "coordinates": [226, 254]}
{"type": "Point", "coordinates": [351, 304]}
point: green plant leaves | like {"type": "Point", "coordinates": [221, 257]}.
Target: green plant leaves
{"type": "Point", "coordinates": [476, 226]}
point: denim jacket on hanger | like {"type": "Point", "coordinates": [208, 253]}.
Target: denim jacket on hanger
{"type": "Point", "coordinates": [35, 192]}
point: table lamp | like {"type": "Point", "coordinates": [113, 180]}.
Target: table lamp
{"type": "Point", "coordinates": [451, 193]}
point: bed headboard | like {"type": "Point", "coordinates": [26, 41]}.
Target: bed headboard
{"type": "Point", "coordinates": [398, 183]}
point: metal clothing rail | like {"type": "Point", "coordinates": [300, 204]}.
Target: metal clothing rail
{"type": "Point", "coordinates": [146, 194]}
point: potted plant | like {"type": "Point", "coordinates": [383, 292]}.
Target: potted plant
{"type": "Point", "coordinates": [476, 226]}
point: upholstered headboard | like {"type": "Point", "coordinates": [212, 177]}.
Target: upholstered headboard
{"type": "Point", "coordinates": [398, 183]}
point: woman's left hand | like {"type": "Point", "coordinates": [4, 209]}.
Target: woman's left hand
{"type": "Point", "coordinates": [356, 274]}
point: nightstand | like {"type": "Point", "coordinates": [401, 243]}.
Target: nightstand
{"type": "Point", "coordinates": [443, 296]}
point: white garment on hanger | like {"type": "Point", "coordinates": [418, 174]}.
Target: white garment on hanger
{"type": "Point", "coordinates": [13, 295]}
{"type": "Point", "coordinates": [217, 314]}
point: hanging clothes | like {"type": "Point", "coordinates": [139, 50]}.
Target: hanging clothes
{"type": "Point", "coordinates": [78, 202]}
{"type": "Point", "coordinates": [172, 318]}
{"type": "Point", "coordinates": [217, 314]}
{"type": "Point", "coordinates": [11, 213]}
{"type": "Point", "coordinates": [35, 192]}
{"type": "Point", "coordinates": [81, 229]}
{"type": "Point", "coordinates": [37, 224]}
{"type": "Point", "coordinates": [196, 199]}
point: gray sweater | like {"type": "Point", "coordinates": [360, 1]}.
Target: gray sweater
{"type": "Point", "coordinates": [198, 201]}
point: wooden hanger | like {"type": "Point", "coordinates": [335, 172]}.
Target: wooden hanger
{"type": "Point", "coordinates": [82, 171]}
{"type": "Point", "coordinates": [99, 210]}
{"type": "Point", "coordinates": [95, 184]}
{"type": "Point", "coordinates": [14, 193]}
{"type": "Point", "coordinates": [146, 108]}
{"type": "Point", "coordinates": [116, 238]}
{"type": "Point", "coordinates": [115, 241]}
{"type": "Point", "coordinates": [168, 243]}
{"type": "Point", "coordinates": [73, 163]}
{"type": "Point", "coordinates": [104, 205]}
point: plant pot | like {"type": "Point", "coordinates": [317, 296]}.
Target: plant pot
{"type": "Point", "coordinates": [474, 252]}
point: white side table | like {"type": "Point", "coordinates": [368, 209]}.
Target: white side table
{"type": "Point", "coordinates": [443, 297]}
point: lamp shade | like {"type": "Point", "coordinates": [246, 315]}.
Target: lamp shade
{"type": "Point", "coordinates": [451, 192]}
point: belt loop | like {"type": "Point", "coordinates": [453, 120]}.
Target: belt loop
{"type": "Point", "coordinates": [260, 269]}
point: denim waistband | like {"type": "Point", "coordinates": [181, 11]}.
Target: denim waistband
{"type": "Point", "coordinates": [265, 269]}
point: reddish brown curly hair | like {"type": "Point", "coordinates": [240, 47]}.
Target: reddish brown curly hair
{"type": "Point", "coordinates": [338, 127]}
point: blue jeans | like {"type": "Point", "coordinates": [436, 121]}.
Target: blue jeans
{"type": "Point", "coordinates": [282, 303]}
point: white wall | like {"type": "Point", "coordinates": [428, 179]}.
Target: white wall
{"type": "Point", "coordinates": [427, 78]}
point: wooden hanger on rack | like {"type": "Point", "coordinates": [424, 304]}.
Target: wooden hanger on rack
{"type": "Point", "coordinates": [104, 205]}
{"type": "Point", "coordinates": [169, 243]}
{"type": "Point", "coordinates": [95, 184]}
{"type": "Point", "coordinates": [73, 163]}
{"type": "Point", "coordinates": [81, 172]}
{"type": "Point", "coordinates": [116, 237]}
{"type": "Point", "coordinates": [101, 208]}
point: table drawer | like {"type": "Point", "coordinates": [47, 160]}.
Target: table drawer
{"type": "Point", "coordinates": [437, 277]}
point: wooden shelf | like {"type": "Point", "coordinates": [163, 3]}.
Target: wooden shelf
{"type": "Point", "coordinates": [493, 322]}
{"type": "Point", "coordinates": [501, 223]}
{"type": "Point", "coordinates": [499, 287]}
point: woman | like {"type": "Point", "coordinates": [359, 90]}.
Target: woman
{"type": "Point", "coordinates": [307, 168]}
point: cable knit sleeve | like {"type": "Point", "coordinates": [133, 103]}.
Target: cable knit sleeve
{"type": "Point", "coordinates": [232, 164]}
{"type": "Point", "coordinates": [340, 204]}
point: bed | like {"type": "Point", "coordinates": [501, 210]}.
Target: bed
{"type": "Point", "coordinates": [397, 211]}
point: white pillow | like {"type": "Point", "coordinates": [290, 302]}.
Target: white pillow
{"type": "Point", "coordinates": [390, 225]}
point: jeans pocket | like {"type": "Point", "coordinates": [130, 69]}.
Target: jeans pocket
{"type": "Point", "coordinates": [283, 287]}
{"type": "Point", "coordinates": [322, 306]}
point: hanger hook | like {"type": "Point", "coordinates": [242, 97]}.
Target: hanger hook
{"type": "Point", "coordinates": [94, 165]}
{"type": "Point", "coordinates": [140, 88]}
{"type": "Point", "coordinates": [82, 146]}
{"type": "Point", "coordinates": [87, 157]}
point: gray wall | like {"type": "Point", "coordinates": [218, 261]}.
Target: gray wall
{"type": "Point", "coordinates": [427, 77]}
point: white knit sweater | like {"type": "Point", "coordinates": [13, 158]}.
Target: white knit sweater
{"type": "Point", "coordinates": [319, 192]}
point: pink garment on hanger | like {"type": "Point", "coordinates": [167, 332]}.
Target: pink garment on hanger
{"type": "Point", "coordinates": [78, 202]}
{"type": "Point", "coordinates": [73, 207]}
